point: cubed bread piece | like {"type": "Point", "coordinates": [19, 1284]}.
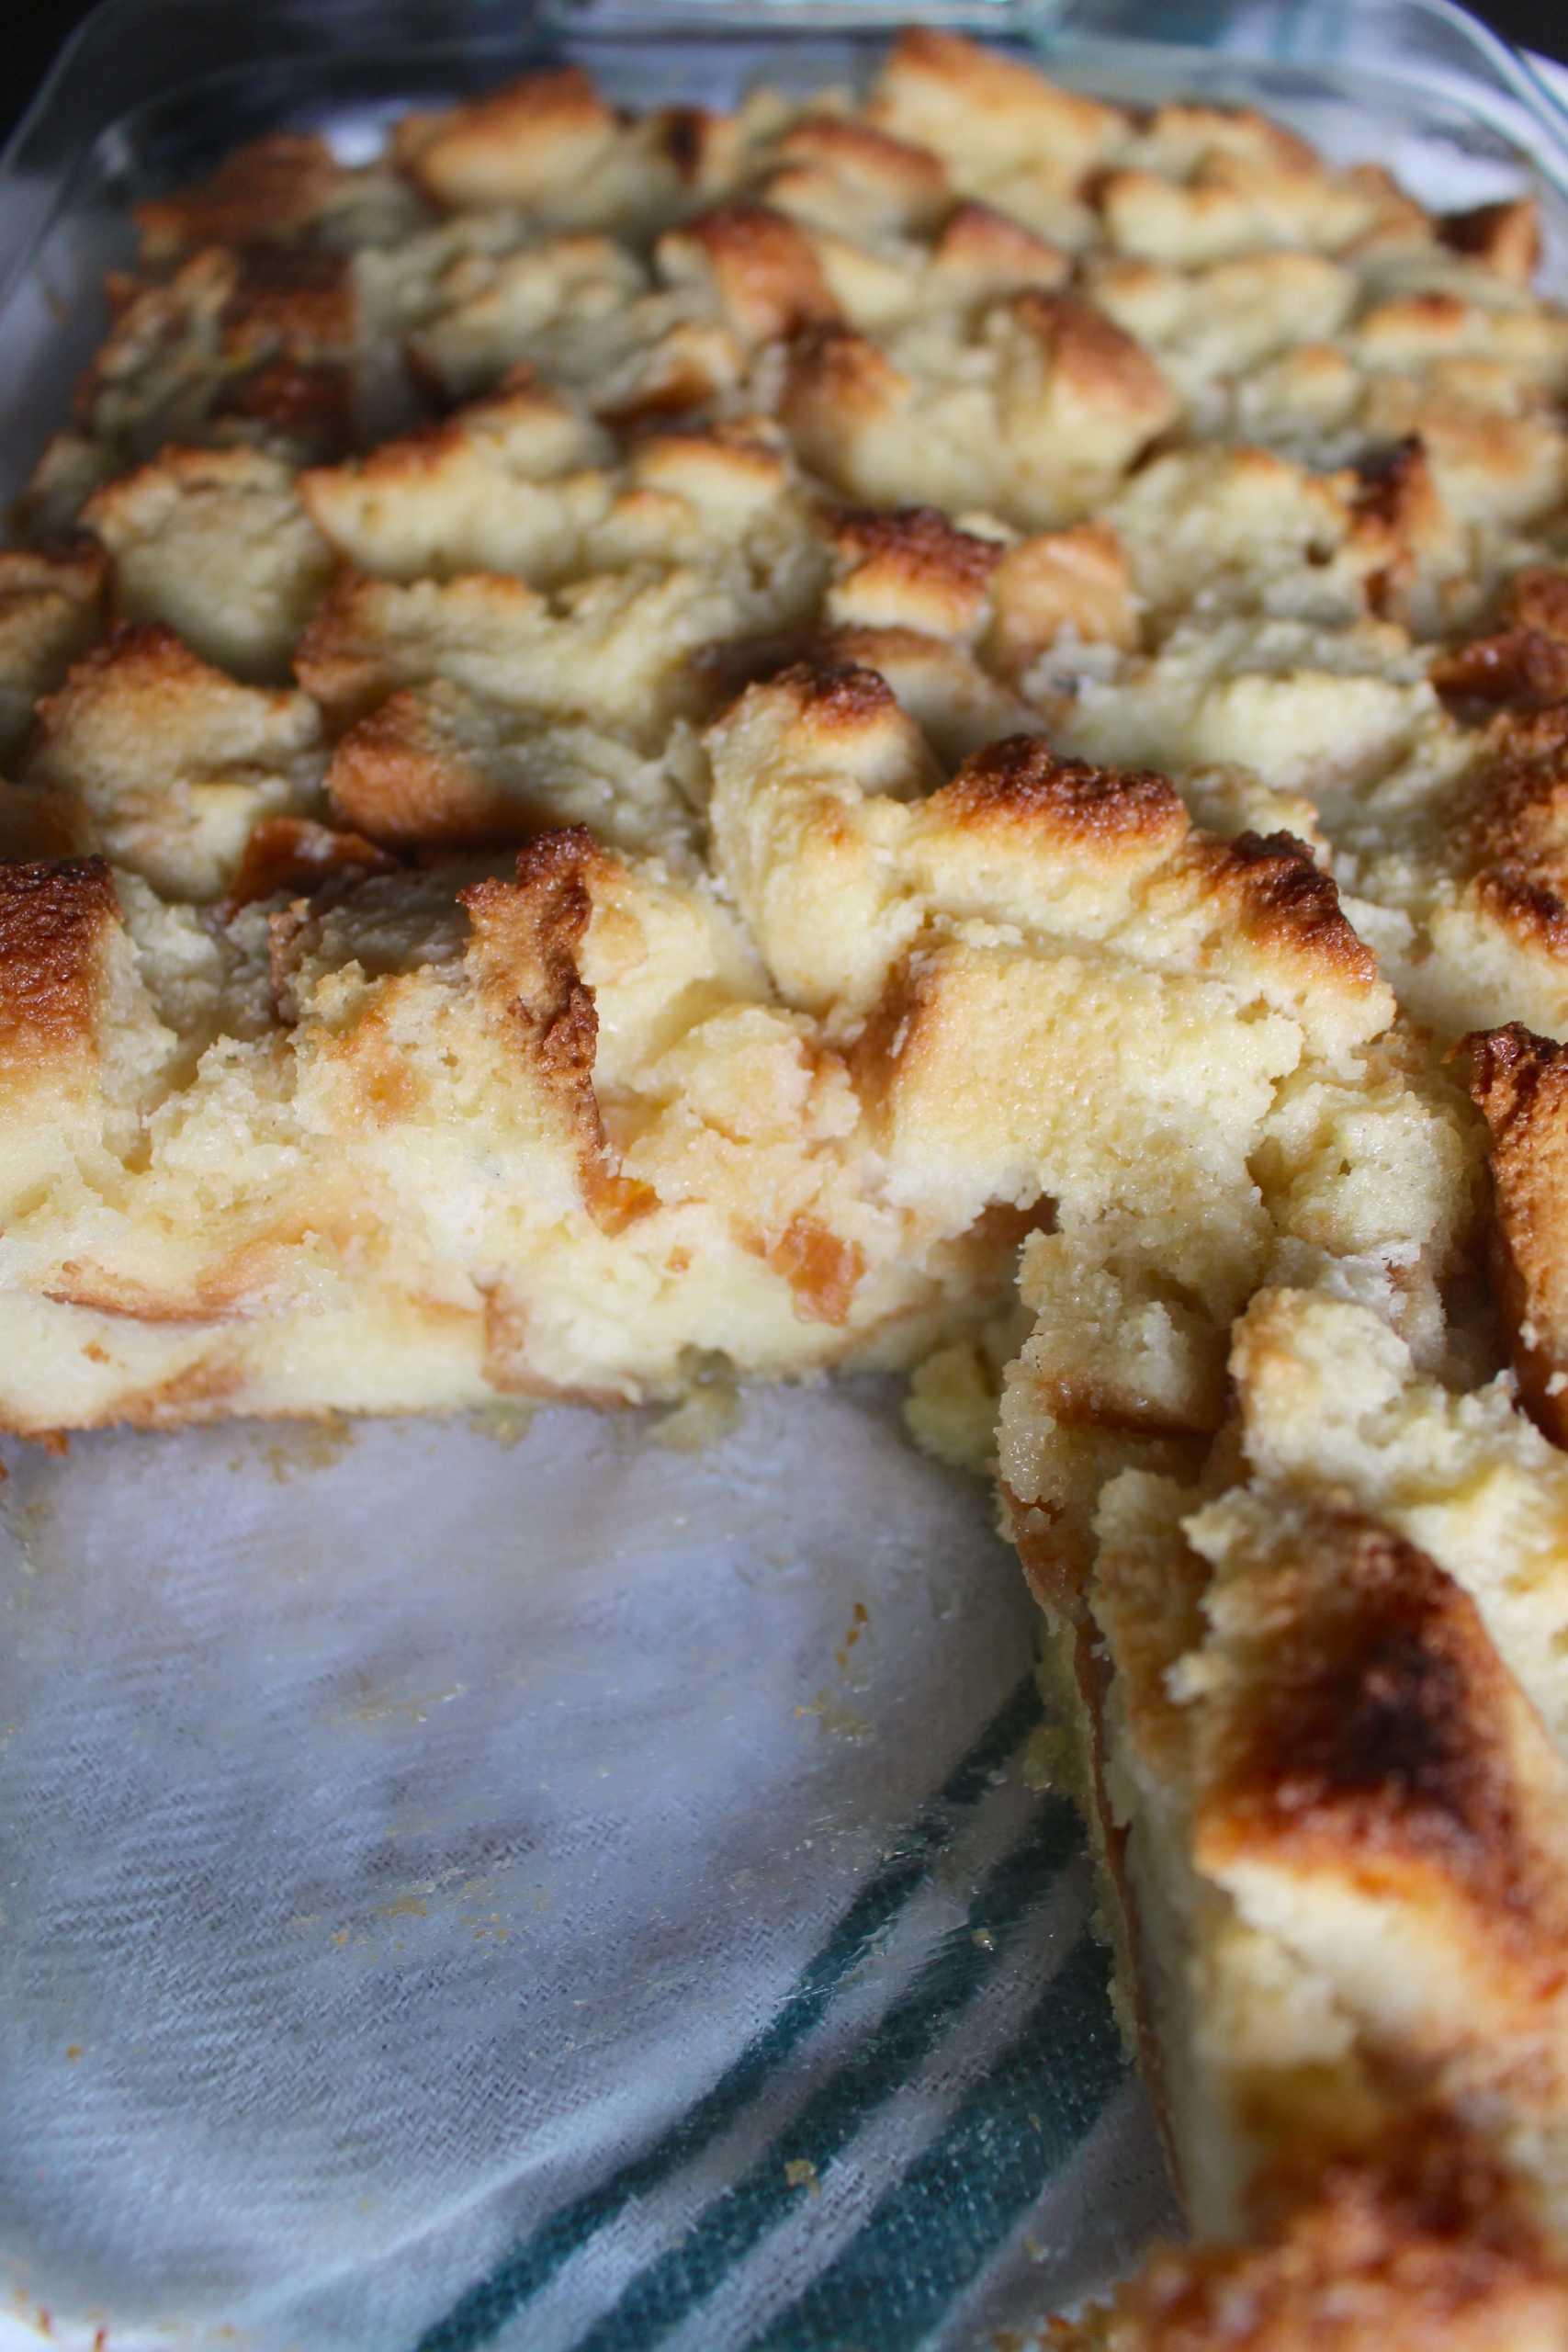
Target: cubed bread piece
{"type": "Point", "coordinates": [1232, 204]}
{"type": "Point", "coordinates": [260, 343]}
{"type": "Point", "coordinates": [285, 188]}
{"type": "Point", "coordinates": [173, 761]}
{"type": "Point", "coordinates": [523, 483]}
{"type": "Point", "coordinates": [581, 312]}
{"type": "Point", "coordinates": [990, 117]}
{"type": "Point", "coordinates": [616, 649]}
{"type": "Point", "coordinates": [79, 1038]}
{"type": "Point", "coordinates": [551, 147]}
{"type": "Point", "coordinates": [215, 545]}
{"type": "Point", "coordinates": [434, 767]}
{"type": "Point", "coordinates": [51, 610]}
{"type": "Point", "coordinates": [1032, 410]}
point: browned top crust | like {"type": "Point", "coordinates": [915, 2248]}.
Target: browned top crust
{"type": "Point", "coordinates": [1510, 830]}
{"type": "Point", "coordinates": [267, 333]}
{"type": "Point", "coordinates": [1398, 514]}
{"type": "Point", "coordinates": [266, 193]}
{"type": "Point", "coordinates": [1419, 2241]}
{"type": "Point", "coordinates": [74, 568]}
{"type": "Point", "coordinates": [1094, 357]}
{"type": "Point", "coordinates": [838, 700]}
{"type": "Point", "coordinates": [148, 674]}
{"type": "Point", "coordinates": [296, 305]}
{"type": "Point", "coordinates": [896, 180]}
{"type": "Point", "coordinates": [1526, 661]}
{"type": "Point", "coordinates": [1382, 1745]}
{"type": "Point", "coordinates": [910, 563]}
{"type": "Point", "coordinates": [765, 270]}
{"type": "Point", "coordinates": [940, 89]}
{"type": "Point", "coordinates": [52, 920]}
{"type": "Point", "coordinates": [997, 250]}
{"type": "Point", "coordinates": [1286, 897]}
{"type": "Point", "coordinates": [511, 145]}
{"type": "Point", "coordinates": [919, 537]}
{"type": "Point", "coordinates": [1520, 1083]}
{"type": "Point", "coordinates": [1021, 780]}
{"type": "Point", "coordinates": [1506, 236]}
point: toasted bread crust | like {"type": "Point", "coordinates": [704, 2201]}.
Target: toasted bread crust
{"type": "Point", "coordinates": [52, 920]}
{"type": "Point", "coordinates": [1421, 2240]}
{"type": "Point", "coordinates": [1384, 1749]}
{"type": "Point", "coordinates": [1520, 1083]}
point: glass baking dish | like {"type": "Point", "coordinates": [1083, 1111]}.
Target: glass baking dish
{"type": "Point", "coordinates": [886, 1875]}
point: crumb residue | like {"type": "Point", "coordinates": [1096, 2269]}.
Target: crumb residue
{"type": "Point", "coordinates": [373, 1706]}
{"type": "Point", "coordinates": [707, 1413]}
{"type": "Point", "coordinates": [411, 1906]}
{"type": "Point", "coordinates": [951, 1409]}
{"type": "Point", "coordinates": [858, 1623]}
{"type": "Point", "coordinates": [838, 1722]}
{"type": "Point", "coordinates": [504, 1425]}
{"type": "Point", "coordinates": [308, 1445]}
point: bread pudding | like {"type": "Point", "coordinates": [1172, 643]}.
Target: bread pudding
{"type": "Point", "coordinates": [909, 728]}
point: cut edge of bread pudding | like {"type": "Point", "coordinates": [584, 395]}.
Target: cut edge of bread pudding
{"type": "Point", "coordinates": [1321, 1731]}
{"type": "Point", "coordinates": [636, 740]}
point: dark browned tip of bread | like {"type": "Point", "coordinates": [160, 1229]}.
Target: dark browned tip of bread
{"type": "Point", "coordinates": [1506, 236]}
{"type": "Point", "coordinates": [1507, 827]}
{"type": "Point", "coordinates": [1525, 659]}
{"type": "Point", "coordinates": [1287, 900]}
{"type": "Point", "coordinates": [270, 189]}
{"type": "Point", "coordinates": [1376, 1737]}
{"type": "Point", "coordinates": [52, 919]}
{"type": "Point", "coordinates": [843, 372]}
{"type": "Point", "coordinates": [1506, 1068]}
{"type": "Point", "coordinates": [1021, 778]}
{"type": "Point", "coordinates": [917, 538]}
{"type": "Point", "coordinates": [297, 855]}
{"type": "Point", "coordinates": [1519, 1084]}
{"type": "Point", "coordinates": [1419, 2241]}
{"type": "Point", "coordinates": [766, 265]}
{"type": "Point", "coordinates": [685, 132]}
{"type": "Point", "coordinates": [832, 696]}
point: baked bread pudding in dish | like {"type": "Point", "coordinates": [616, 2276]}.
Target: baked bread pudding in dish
{"type": "Point", "coordinates": [899, 731]}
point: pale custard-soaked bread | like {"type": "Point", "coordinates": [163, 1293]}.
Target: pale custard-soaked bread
{"type": "Point", "coordinates": [613, 1110]}
{"type": "Point", "coordinates": [646, 739]}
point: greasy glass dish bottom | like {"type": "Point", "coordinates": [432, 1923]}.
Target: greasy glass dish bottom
{"type": "Point", "coordinates": [532, 1882]}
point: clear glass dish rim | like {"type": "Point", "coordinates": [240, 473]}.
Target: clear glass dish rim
{"type": "Point", "coordinates": [1285, 33]}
